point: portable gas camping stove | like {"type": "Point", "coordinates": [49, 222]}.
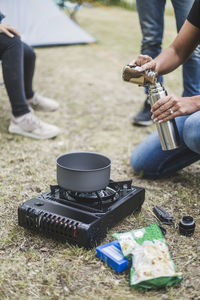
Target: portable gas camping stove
{"type": "Point", "coordinates": [80, 218]}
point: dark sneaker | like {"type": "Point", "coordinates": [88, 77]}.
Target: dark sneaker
{"type": "Point", "coordinates": [143, 117]}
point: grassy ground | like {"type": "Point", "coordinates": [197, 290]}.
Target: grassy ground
{"type": "Point", "coordinates": [96, 108]}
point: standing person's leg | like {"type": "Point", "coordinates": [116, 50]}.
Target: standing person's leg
{"type": "Point", "coordinates": [191, 68]}
{"type": "Point", "coordinates": [36, 101]}
{"type": "Point", "coordinates": [151, 17]}
{"type": "Point", "coordinates": [23, 122]}
{"type": "Point", "coordinates": [29, 68]}
{"type": "Point", "coordinates": [149, 160]}
{"type": "Point", "coordinates": [12, 55]}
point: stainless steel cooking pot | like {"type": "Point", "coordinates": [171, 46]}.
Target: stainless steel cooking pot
{"type": "Point", "coordinates": [83, 171]}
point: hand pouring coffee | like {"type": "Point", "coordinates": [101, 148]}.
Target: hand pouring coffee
{"type": "Point", "coordinates": [168, 132]}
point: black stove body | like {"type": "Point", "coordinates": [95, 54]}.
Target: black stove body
{"type": "Point", "coordinates": [80, 218]}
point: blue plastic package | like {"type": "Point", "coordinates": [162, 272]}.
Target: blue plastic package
{"type": "Point", "coordinates": [112, 255]}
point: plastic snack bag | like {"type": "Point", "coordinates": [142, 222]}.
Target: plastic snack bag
{"type": "Point", "coordinates": [152, 266]}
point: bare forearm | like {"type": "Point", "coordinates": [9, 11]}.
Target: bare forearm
{"type": "Point", "coordinates": [179, 51]}
{"type": "Point", "coordinates": [168, 61]}
{"type": "Point", "coordinates": [196, 102]}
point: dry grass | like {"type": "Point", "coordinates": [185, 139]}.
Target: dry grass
{"type": "Point", "coordinates": [95, 112]}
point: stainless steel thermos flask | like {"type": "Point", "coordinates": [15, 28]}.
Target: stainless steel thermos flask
{"type": "Point", "coordinates": [168, 132]}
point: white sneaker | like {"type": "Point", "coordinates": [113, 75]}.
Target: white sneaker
{"type": "Point", "coordinates": [31, 126]}
{"type": "Point", "coordinates": [41, 103]}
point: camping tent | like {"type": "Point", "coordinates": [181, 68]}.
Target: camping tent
{"type": "Point", "coordinates": [42, 23]}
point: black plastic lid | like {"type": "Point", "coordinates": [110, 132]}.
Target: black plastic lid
{"type": "Point", "coordinates": [186, 225]}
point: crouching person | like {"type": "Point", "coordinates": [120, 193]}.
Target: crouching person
{"type": "Point", "coordinates": [148, 159]}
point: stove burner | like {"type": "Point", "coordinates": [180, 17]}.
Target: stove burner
{"type": "Point", "coordinates": [98, 200]}
{"type": "Point", "coordinates": [106, 194]}
{"type": "Point", "coordinates": [80, 218]}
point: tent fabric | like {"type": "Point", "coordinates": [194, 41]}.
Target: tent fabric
{"type": "Point", "coordinates": [42, 23]}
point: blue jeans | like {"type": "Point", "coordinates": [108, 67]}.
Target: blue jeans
{"type": "Point", "coordinates": [151, 16]}
{"type": "Point", "coordinates": [150, 161]}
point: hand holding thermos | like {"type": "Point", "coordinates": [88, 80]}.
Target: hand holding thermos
{"type": "Point", "coordinates": [141, 75]}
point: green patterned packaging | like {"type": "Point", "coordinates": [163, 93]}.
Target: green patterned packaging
{"type": "Point", "coordinates": [152, 266]}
